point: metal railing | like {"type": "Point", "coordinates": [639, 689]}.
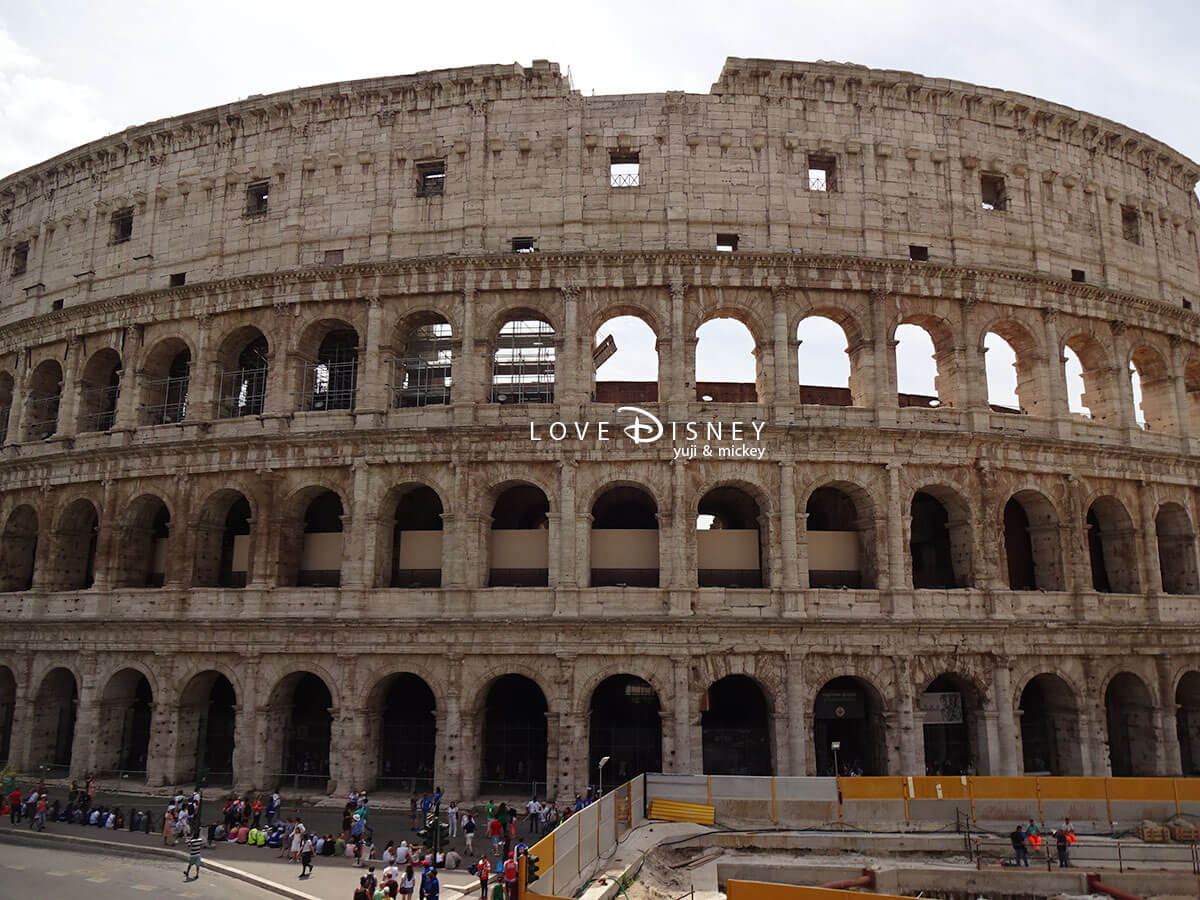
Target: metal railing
{"type": "Point", "coordinates": [170, 396]}
{"type": "Point", "coordinates": [302, 780]}
{"type": "Point", "coordinates": [101, 406]}
{"type": "Point", "coordinates": [241, 392]}
{"type": "Point", "coordinates": [818, 182]}
{"type": "Point", "coordinates": [42, 417]}
{"type": "Point", "coordinates": [511, 788]}
{"type": "Point", "coordinates": [404, 784]}
{"type": "Point", "coordinates": [418, 382]}
{"type": "Point", "coordinates": [618, 180]}
{"type": "Point", "coordinates": [329, 385]}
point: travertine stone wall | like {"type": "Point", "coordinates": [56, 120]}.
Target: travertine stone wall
{"type": "Point", "coordinates": [527, 156]}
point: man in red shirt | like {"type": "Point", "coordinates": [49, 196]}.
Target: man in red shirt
{"type": "Point", "coordinates": [483, 869]}
{"type": "Point", "coordinates": [510, 877]}
{"type": "Point", "coordinates": [15, 806]}
{"type": "Point", "coordinates": [257, 808]}
{"type": "Point", "coordinates": [495, 829]}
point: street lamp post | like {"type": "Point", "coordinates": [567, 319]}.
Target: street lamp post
{"type": "Point", "coordinates": [835, 746]}
{"type": "Point", "coordinates": [600, 769]}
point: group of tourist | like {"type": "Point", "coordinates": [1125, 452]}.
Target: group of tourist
{"type": "Point", "coordinates": [1064, 837]}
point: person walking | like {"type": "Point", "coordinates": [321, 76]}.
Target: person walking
{"type": "Point", "coordinates": [193, 845]}
{"type": "Point", "coordinates": [408, 883]}
{"type": "Point", "coordinates": [484, 870]}
{"type": "Point", "coordinates": [468, 830]}
{"type": "Point", "coordinates": [306, 856]}
{"type": "Point", "coordinates": [452, 812]}
{"type": "Point", "coordinates": [40, 819]}
{"type": "Point", "coordinates": [15, 806]}
{"type": "Point", "coordinates": [510, 877]}
{"type": "Point", "coordinates": [1018, 842]}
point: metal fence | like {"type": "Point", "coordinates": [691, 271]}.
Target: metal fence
{"type": "Point", "coordinates": [329, 384]}
{"type": "Point", "coordinates": [241, 392]}
{"type": "Point", "coordinates": [41, 417]}
{"type": "Point", "coordinates": [167, 400]}
{"type": "Point", "coordinates": [100, 405]}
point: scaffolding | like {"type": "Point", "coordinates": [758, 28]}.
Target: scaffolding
{"type": "Point", "coordinates": [42, 417]}
{"type": "Point", "coordinates": [330, 382]}
{"type": "Point", "coordinates": [523, 366]}
{"type": "Point", "coordinates": [421, 375]}
{"type": "Point", "coordinates": [167, 400]}
{"type": "Point", "coordinates": [242, 392]}
{"type": "Point", "coordinates": [100, 401]}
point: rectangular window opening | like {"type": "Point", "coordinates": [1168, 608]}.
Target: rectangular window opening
{"type": "Point", "coordinates": [918, 253]}
{"type": "Point", "coordinates": [993, 193]}
{"type": "Point", "coordinates": [1079, 276]}
{"type": "Point", "coordinates": [431, 178]}
{"type": "Point", "coordinates": [256, 198]}
{"type": "Point", "coordinates": [822, 173]}
{"type": "Point", "coordinates": [334, 257]}
{"type": "Point", "coordinates": [178, 279]}
{"type": "Point", "coordinates": [1131, 224]}
{"type": "Point", "coordinates": [726, 243]}
{"type": "Point", "coordinates": [1187, 304]}
{"type": "Point", "coordinates": [56, 304]}
{"type": "Point", "coordinates": [523, 245]}
{"type": "Point", "coordinates": [20, 258]}
{"type": "Point", "coordinates": [122, 225]}
{"type": "Point", "coordinates": [624, 170]}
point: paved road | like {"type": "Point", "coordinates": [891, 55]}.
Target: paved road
{"type": "Point", "coordinates": [27, 872]}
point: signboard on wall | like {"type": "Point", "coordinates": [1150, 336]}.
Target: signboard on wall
{"type": "Point", "coordinates": [942, 709]}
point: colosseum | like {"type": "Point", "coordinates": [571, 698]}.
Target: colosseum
{"type": "Point", "coordinates": [312, 474]}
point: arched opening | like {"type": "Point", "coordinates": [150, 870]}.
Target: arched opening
{"type": "Point", "coordinates": [1129, 711]}
{"type": "Point", "coordinates": [518, 543]}
{"type": "Point", "coordinates": [207, 729]}
{"type": "Point", "coordinates": [8, 702]}
{"type": "Point", "coordinates": [1191, 384]}
{"type": "Point", "coordinates": [624, 545]}
{"type": "Point", "coordinates": [729, 546]}
{"type": "Point", "coordinates": [416, 539]}
{"type": "Point", "coordinates": [514, 738]}
{"type": "Point", "coordinates": [100, 385]}
{"type": "Point", "coordinates": [242, 374]}
{"type": "Point", "coordinates": [1153, 397]}
{"type": "Point", "coordinates": [523, 363]}
{"type": "Point", "coordinates": [940, 540]}
{"type": "Point", "coordinates": [1112, 548]}
{"type": "Point", "coordinates": [142, 552]}
{"type": "Point", "coordinates": [420, 370]}
{"type": "Point", "coordinates": [6, 396]}
{"type": "Point", "coordinates": [735, 725]}
{"type": "Point", "coordinates": [165, 383]}
{"type": "Point", "coordinates": [1090, 386]}
{"type": "Point", "coordinates": [840, 532]}
{"type": "Point", "coordinates": [45, 395]}
{"type": "Point", "coordinates": [951, 724]}
{"type": "Point", "coordinates": [925, 363]}
{"type": "Point", "coordinates": [123, 736]}
{"type": "Point", "coordinates": [18, 549]}
{"type": "Point", "coordinates": [404, 710]}
{"type": "Point", "coordinates": [55, 708]}
{"type": "Point", "coordinates": [330, 377]}
{"type": "Point", "coordinates": [848, 711]}
{"type": "Point", "coordinates": [1176, 550]}
{"type": "Point", "coordinates": [316, 557]}
{"type": "Point", "coordinates": [1032, 546]}
{"type": "Point", "coordinates": [73, 563]}
{"type": "Point", "coordinates": [301, 709]}
{"type": "Point", "coordinates": [625, 724]}
{"type": "Point", "coordinates": [727, 369]}
{"type": "Point", "coordinates": [625, 361]}
{"type": "Point", "coordinates": [1011, 358]}
{"type": "Point", "coordinates": [830, 369]}
{"type": "Point", "coordinates": [1187, 723]}
{"type": "Point", "coordinates": [1050, 738]}
{"type": "Point", "coordinates": [223, 541]}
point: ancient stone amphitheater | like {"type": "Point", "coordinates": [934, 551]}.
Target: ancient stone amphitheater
{"type": "Point", "coordinates": [293, 488]}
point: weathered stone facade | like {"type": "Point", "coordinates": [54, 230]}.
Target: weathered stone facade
{"type": "Point", "coordinates": [372, 209]}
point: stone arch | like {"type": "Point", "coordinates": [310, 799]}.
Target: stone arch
{"type": "Point", "coordinates": [1148, 370]}
{"type": "Point", "coordinates": [8, 702]}
{"type": "Point", "coordinates": [1191, 386]}
{"type": "Point", "coordinates": [44, 399]}
{"type": "Point", "coordinates": [99, 386]}
{"type": "Point", "coordinates": [519, 537]}
{"type": "Point", "coordinates": [207, 732]}
{"type": "Point", "coordinates": [737, 727]}
{"type": "Point", "coordinates": [423, 346]}
{"type": "Point", "coordinates": [841, 534]}
{"type": "Point", "coordinates": [300, 723]}
{"type": "Point", "coordinates": [853, 390]}
{"type": "Point", "coordinates": [18, 549]}
{"type": "Point", "coordinates": [402, 728]}
{"type": "Point", "coordinates": [952, 715]}
{"type": "Point", "coordinates": [164, 377]}
{"type": "Point", "coordinates": [1176, 541]}
{"type": "Point", "coordinates": [242, 366]}
{"type": "Point", "coordinates": [940, 539]}
{"type": "Point", "coordinates": [55, 707]}
{"type": "Point", "coordinates": [141, 551]}
{"type": "Point", "coordinates": [1050, 731]}
{"type": "Point", "coordinates": [71, 565]}
{"type": "Point", "coordinates": [409, 540]}
{"type": "Point", "coordinates": [1099, 385]}
{"type": "Point", "coordinates": [524, 352]}
{"type": "Point", "coordinates": [1187, 722]}
{"type": "Point", "coordinates": [328, 350]}
{"type": "Point", "coordinates": [311, 539]}
{"type": "Point", "coordinates": [945, 356]}
{"type": "Point", "coordinates": [7, 383]}
{"type": "Point", "coordinates": [1033, 543]}
{"type": "Point", "coordinates": [631, 325]}
{"type": "Point", "coordinates": [733, 535]}
{"type": "Point", "coordinates": [1132, 736]}
{"type": "Point", "coordinates": [624, 536]}
{"type": "Point", "coordinates": [625, 724]}
{"type": "Point", "coordinates": [122, 741]}
{"type": "Point", "coordinates": [224, 539]}
{"type": "Point", "coordinates": [1029, 358]}
{"type": "Point", "coordinates": [850, 710]}
{"type": "Point", "coordinates": [513, 708]}
{"type": "Point", "coordinates": [1112, 547]}
{"type": "Point", "coordinates": [710, 389]}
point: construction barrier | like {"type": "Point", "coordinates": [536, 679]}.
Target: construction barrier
{"type": "Point", "coordinates": [676, 811]}
{"type": "Point", "coordinates": [762, 890]}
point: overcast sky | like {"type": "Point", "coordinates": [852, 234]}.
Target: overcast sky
{"type": "Point", "coordinates": [71, 72]}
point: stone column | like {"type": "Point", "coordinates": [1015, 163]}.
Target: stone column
{"type": "Point", "coordinates": [281, 387]}
{"type": "Point", "coordinates": [1054, 381]}
{"type": "Point", "coordinates": [682, 383]}
{"type": "Point", "coordinates": [21, 731]}
{"type": "Point", "coordinates": [108, 541]}
{"type": "Point", "coordinates": [164, 738]}
{"type": "Point", "coordinates": [87, 721]}
{"type": "Point", "coordinates": [1093, 727]}
{"type": "Point", "coordinates": [16, 409]}
{"type": "Point", "coordinates": [912, 739]}
{"type": "Point", "coordinates": [568, 574]}
{"type": "Point", "coordinates": [1003, 755]}
{"type": "Point", "coordinates": [787, 379]}
{"type": "Point", "coordinates": [973, 372]}
{"type": "Point", "coordinates": [572, 367]}
{"type": "Point", "coordinates": [898, 575]}
{"type": "Point", "coordinates": [1169, 757]}
{"type": "Point", "coordinates": [1122, 383]}
{"type": "Point", "coordinates": [451, 750]}
{"type": "Point", "coordinates": [372, 396]}
{"type": "Point", "coordinates": [793, 579]}
{"type": "Point", "coordinates": [72, 391]}
{"type": "Point", "coordinates": [1179, 394]}
{"type": "Point", "coordinates": [202, 375]}
{"type": "Point", "coordinates": [887, 407]}
{"type": "Point", "coordinates": [471, 373]}
{"type": "Point", "coordinates": [799, 730]}
{"type": "Point", "coordinates": [680, 706]}
{"type": "Point", "coordinates": [1147, 546]}
{"type": "Point", "coordinates": [358, 530]}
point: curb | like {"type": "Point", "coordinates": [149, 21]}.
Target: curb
{"type": "Point", "coordinates": [35, 838]}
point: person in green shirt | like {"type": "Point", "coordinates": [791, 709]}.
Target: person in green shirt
{"type": "Point", "coordinates": [339, 847]}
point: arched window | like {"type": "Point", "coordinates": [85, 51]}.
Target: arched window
{"type": "Point", "coordinates": [729, 546]}
{"type": "Point", "coordinates": [322, 545]}
{"type": "Point", "coordinates": [1049, 717]}
{"type": "Point", "coordinates": [518, 544]}
{"type": "Point", "coordinates": [1132, 736]}
{"type": "Point", "coordinates": [735, 727]}
{"type": "Point", "coordinates": [142, 553]}
{"type": "Point", "coordinates": [625, 724]}
{"type": "Point", "coordinates": [223, 541]}
{"type": "Point", "coordinates": [828, 367]}
{"type": "Point", "coordinates": [1032, 545]}
{"type": "Point", "coordinates": [624, 538]}
{"type": "Point", "coordinates": [18, 549]}
{"type": "Point", "coordinates": [6, 396]}
{"type": "Point", "coordinates": [416, 539]}
{"type": "Point", "coordinates": [165, 385]}
{"type": "Point", "coordinates": [523, 363]}
{"type": "Point", "coordinates": [123, 734]}
{"type": "Point", "coordinates": [841, 538]}
{"type": "Point", "coordinates": [242, 374]}
{"type": "Point", "coordinates": [625, 361]}
{"type": "Point", "coordinates": [1013, 375]}
{"type": "Point", "coordinates": [916, 369]}
{"type": "Point", "coordinates": [1153, 394]}
{"type": "Point", "coordinates": [420, 370]}
{"type": "Point", "coordinates": [1112, 547]}
{"type": "Point", "coordinates": [940, 540]}
{"type": "Point", "coordinates": [302, 702]}
{"type": "Point", "coordinates": [207, 729]}
{"type": "Point", "coordinates": [101, 386]}
{"type": "Point", "coordinates": [330, 381]}
{"type": "Point", "coordinates": [54, 710]}
{"type": "Point", "coordinates": [73, 561]}
{"type": "Point", "coordinates": [1176, 550]}
{"type": "Point", "coordinates": [726, 362]}
{"type": "Point", "coordinates": [514, 738]}
{"type": "Point", "coordinates": [45, 394]}
{"type": "Point", "coordinates": [1089, 383]}
{"type": "Point", "coordinates": [848, 711]}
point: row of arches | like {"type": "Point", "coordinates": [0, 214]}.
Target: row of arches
{"type": "Point", "coordinates": [847, 724]}
{"type": "Point", "coordinates": [733, 537]}
{"type": "Point", "coordinates": [834, 366]}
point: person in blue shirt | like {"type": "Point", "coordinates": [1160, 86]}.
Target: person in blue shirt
{"type": "Point", "coordinates": [437, 796]}
{"type": "Point", "coordinates": [426, 803]}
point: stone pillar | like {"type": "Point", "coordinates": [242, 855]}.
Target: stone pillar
{"type": "Point", "coordinates": [281, 387]}
{"type": "Point", "coordinates": [16, 409]}
{"type": "Point", "coordinates": [87, 722]}
{"type": "Point", "coordinates": [897, 567]}
{"type": "Point", "coordinates": [682, 722]}
{"type": "Point", "coordinates": [263, 563]}
{"type": "Point", "coordinates": [108, 541]}
{"type": "Point", "coordinates": [793, 579]}
{"type": "Point", "coordinates": [452, 751]}
{"type": "Point", "coordinates": [887, 407]}
{"type": "Point", "coordinates": [202, 374]}
{"type": "Point", "coordinates": [799, 729]}
{"type": "Point", "coordinates": [21, 733]}
{"type": "Point", "coordinates": [1147, 546]}
{"type": "Point", "coordinates": [568, 550]}
{"type": "Point", "coordinates": [361, 531]}
{"type": "Point", "coordinates": [348, 749]}
{"type": "Point", "coordinates": [1054, 381]}
{"type": "Point", "coordinates": [1179, 394]}
{"type": "Point", "coordinates": [372, 396]}
{"type": "Point", "coordinates": [787, 377]}
{"type": "Point", "coordinates": [72, 391]}
{"type": "Point", "coordinates": [1169, 757]}
{"type": "Point", "coordinates": [682, 382]}
{"type": "Point", "coordinates": [1093, 727]}
{"type": "Point", "coordinates": [1003, 755]}
{"type": "Point", "coordinates": [572, 367]}
{"type": "Point", "coordinates": [164, 737]}
{"type": "Point", "coordinates": [911, 737]}
{"type": "Point", "coordinates": [972, 374]}
{"type": "Point", "coordinates": [1121, 381]}
{"type": "Point", "coordinates": [470, 368]}
{"type": "Point", "coordinates": [126, 415]}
